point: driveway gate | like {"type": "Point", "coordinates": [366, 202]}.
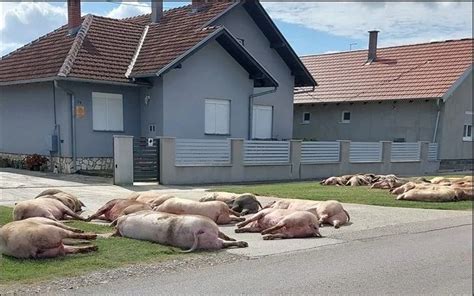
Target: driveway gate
{"type": "Point", "coordinates": [146, 158]}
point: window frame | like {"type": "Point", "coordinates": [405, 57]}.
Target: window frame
{"type": "Point", "coordinates": [303, 121]}
{"type": "Point", "coordinates": [107, 96]}
{"type": "Point", "coordinates": [215, 133]}
{"type": "Point", "coordinates": [466, 128]}
{"type": "Point", "coordinates": [345, 120]}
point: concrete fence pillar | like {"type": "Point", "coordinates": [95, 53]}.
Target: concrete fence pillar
{"type": "Point", "coordinates": [386, 165]}
{"type": "Point", "coordinates": [123, 159]}
{"type": "Point", "coordinates": [344, 164]}
{"type": "Point", "coordinates": [167, 160]}
{"type": "Point", "coordinates": [237, 159]}
{"type": "Point", "coordinates": [295, 158]}
{"type": "Point", "coordinates": [424, 162]}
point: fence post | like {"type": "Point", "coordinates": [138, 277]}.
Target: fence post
{"type": "Point", "coordinates": [123, 159]}
{"type": "Point", "coordinates": [295, 159]}
{"type": "Point", "coordinates": [167, 159]}
{"type": "Point", "coordinates": [344, 164]}
{"type": "Point", "coordinates": [237, 159]}
{"type": "Point", "coordinates": [424, 162]}
{"type": "Point", "coordinates": [386, 165]}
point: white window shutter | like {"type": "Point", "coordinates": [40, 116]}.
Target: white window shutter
{"type": "Point", "coordinates": [210, 118]}
{"type": "Point", "coordinates": [222, 117]}
{"type": "Point", "coordinates": [262, 122]}
{"type": "Point", "coordinates": [115, 113]}
{"type": "Point", "coordinates": [99, 113]}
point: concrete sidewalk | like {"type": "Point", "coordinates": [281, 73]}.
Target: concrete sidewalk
{"type": "Point", "coordinates": [366, 221]}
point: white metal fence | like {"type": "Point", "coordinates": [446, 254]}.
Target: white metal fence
{"type": "Point", "coordinates": [266, 152]}
{"type": "Point", "coordinates": [365, 152]}
{"type": "Point", "coordinates": [199, 152]}
{"type": "Point", "coordinates": [403, 152]}
{"type": "Point", "coordinates": [320, 152]}
{"type": "Point", "coordinates": [433, 151]}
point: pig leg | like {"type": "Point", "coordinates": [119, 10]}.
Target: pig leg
{"type": "Point", "coordinates": [88, 236]}
{"type": "Point", "coordinates": [107, 207]}
{"type": "Point", "coordinates": [51, 252]}
{"type": "Point", "coordinates": [61, 225]}
{"type": "Point", "coordinates": [223, 236]}
{"type": "Point", "coordinates": [71, 213]}
{"type": "Point", "coordinates": [274, 228]}
{"type": "Point", "coordinates": [252, 228]}
{"type": "Point", "coordinates": [236, 219]}
{"type": "Point", "coordinates": [80, 249]}
{"type": "Point", "coordinates": [251, 219]}
{"type": "Point", "coordinates": [235, 213]}
{"type": "Point", "coordinates": [271, 236]}
{"type": "Point", "coordinates": [238, 244]}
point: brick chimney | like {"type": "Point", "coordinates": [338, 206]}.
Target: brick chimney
{"type": "Point", "coordinates": [198, 5]}
{"type": "Point", "coordinates": [156, 10]}
{"type": "Point", "coordinates": [372, 56]}
{"type": "Point", "coordinates": [74, 16]}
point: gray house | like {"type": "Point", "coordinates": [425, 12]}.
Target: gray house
{"type": "Point", "coordinates": [204, 71]}
{"type": "Point", "coordinates": [420, 92]}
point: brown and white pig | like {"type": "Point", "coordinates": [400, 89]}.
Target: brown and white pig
{"type": "Point", "coordinates": [41, 238]}
{"type": "Point", "coordinates": [217, 211]}
{"type": "Point", "coordinates": [281, 223]}
{"type": "Point", "coordinates": [118, 207]}
{"type": "Point", "coordinates": [191, 232]}
{"type": "Point", "coordinates": [67, 199]}
{"type": "Point", "coordinates": [150, 197]}
{"type": "Point", "coordinates": [43, 207]}
{"type": "Point", "coordinates": [226, 197]}
{"type": "Point", "coordinates": [434, 193]}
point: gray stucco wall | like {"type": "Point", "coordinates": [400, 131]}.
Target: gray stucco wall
{"type": "Point", "coordinates": [210, 73]}
{"type": "Point", "coordinates": [386, 121]}
{"type": "Point", "coordinates": [92, 143]}
{"type": "Point", "coordinates": [241, 25]}
{"type": "Point", "coordinates": [152, 112]}
{"type": "Point", "coordinates": [451, 126]}
{"type": "Point", "coordinates": [26, 118]}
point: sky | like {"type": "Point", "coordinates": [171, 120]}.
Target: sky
{"type": "Point", "coordinates": [310, 27]}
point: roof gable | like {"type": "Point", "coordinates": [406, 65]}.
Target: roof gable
{"type": "Point", "coordinates": [420, 71]}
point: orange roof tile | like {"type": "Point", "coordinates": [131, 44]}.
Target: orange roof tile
{"type": "Point", "coordinates": [420, 71]}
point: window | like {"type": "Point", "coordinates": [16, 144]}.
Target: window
{"type": "Point", "coordinates": [217, 117]}
{"type": "Point", "coordinates": [346, 117]}
{"type": "Point", "coordinates": [262, 121]}
{"type": "Point", "coordinates": [467, 132]}
{"type": "Point", "coordinates": [306, 117]}
{"type": "Point", "coordinates": [107, 112]}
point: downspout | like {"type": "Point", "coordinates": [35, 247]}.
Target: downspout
{"type": "Point", "coordinates": [437, 121]}
{"type": "Point", "coordinates": [56, 125]}
{"type": "Point", "coordinates": [73, 124]}
{"type": "Point", "coordinates": [251, 99]}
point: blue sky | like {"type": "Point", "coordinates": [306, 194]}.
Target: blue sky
{"type": "Point", "coordinates": [310, 27]}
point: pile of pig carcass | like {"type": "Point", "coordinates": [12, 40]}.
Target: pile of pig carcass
{"type": "Point", "coordinates": [439, 189]}
{"type": "Point", "coordinates": [37, 232]}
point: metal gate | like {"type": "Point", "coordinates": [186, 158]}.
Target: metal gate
{"type": "Point", "coordinates": [146, 158]}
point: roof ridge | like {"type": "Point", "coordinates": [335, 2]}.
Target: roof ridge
{"type": "Point", "coordinates": [76, 46]}
{"type": "Point", "coordinates": [387, 47]}
{"type": "Point", "coordinates": [127, 19]}
{"type": "Point", "coordinates": [137, 51]}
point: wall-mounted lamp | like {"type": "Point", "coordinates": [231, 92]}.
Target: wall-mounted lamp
{"type": "Point", "coordinates": [147, 99]}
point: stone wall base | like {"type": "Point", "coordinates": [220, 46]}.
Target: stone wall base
{"type": "Point", "coordinates": [456, 164]}
{"type": "Point", "coordinates": [64, 165]}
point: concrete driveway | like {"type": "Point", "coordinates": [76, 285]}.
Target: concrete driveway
{"type": "Point", "coordinates": [366, 221]}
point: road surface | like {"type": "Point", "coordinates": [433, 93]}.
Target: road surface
{"type": "Point", "coordinates": [434, 259]}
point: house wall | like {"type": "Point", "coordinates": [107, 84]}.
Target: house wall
{"type": "Point", "coordinates": [370, 122]}
{"type": "Point", "coordinates": [451, 125]}
{"type": "Point", "coordinates": [152, 112]}
{"type": "Point", "coordinates": [210, 73]}
{"type": "Point", "coordinates": [241, 25]}
{"type": "Point", "coordinates": [26, 118]}
{"type": "Point", "coordinates": [90, 143]}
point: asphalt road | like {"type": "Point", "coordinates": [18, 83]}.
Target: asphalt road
{"type": "Point", "coordinates": [436, 260]}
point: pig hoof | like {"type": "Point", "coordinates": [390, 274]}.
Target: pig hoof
{"type": "Point", "coordinates": [239, 230]}
{"type": "Point", "coordinates": [243, 245]}
{"type": "Point", "coordinates": [336, 226]}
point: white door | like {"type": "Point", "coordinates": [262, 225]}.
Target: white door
{"type": "Point", "coordinates": [262, 122]}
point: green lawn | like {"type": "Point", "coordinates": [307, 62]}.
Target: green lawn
{"type": "Point", "coordinates": [312, 190]}
{"type": "Point", "coordinates": [113, 252]}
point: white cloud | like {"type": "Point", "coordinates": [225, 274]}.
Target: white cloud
{"type": "Point", "coordinates": [128, 9]}
{"type": "Point", "coordinates": [399, 22]}
{"type": "Point", "coordinates": [22, 22]}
